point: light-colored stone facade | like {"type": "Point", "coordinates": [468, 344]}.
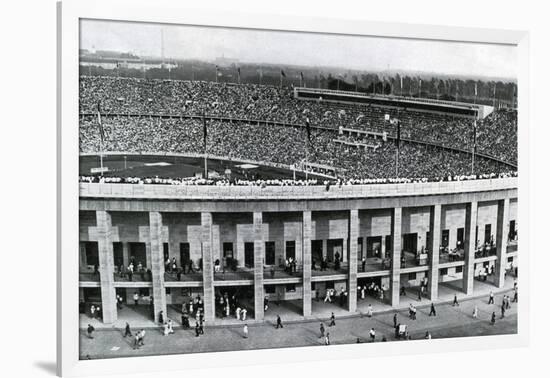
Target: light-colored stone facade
{"type": "Point", "coordinates": [127, 225]}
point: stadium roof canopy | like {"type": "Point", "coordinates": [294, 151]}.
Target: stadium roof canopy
{"type": "Point", "coordinates": [454, 108]}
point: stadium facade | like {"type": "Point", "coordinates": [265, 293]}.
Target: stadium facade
{"type": "Point", "coordinates": [405, 235]}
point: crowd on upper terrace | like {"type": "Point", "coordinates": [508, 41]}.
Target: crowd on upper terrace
{"type": "Point", "coordinates": [273, 143]}
{"type": "Point", "coordinates": [496, 135]}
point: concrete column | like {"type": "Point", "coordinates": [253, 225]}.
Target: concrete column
{"type": "Point", "coordinates": [306, 262]}
{"type": "Point", "coordinates": [469, 248]}
{"type": "Point", "coordinates": [106, 266]}
{"type": "Point", "coordinates": [435, 233]}
{"type": "Point", "coordinates": [352, 271]}
{"type": "Point", "coordinates": [503, 226]}
{"type": "Point", "coordinates": [126, 254]}
{"type": "Point", "coordinates": [344, 253]}
{"type": "Point", "coordinates": [324, 245]}
{"type": "Point", "coordinates": [396, 257]}
{"type": "Point", "coordinates": [259, 256]}
{"type": "Point", "coordinates": [157, 263]}
{"type": "Point", "coordinates": [207, 267]}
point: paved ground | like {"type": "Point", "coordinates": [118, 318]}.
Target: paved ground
{"type": "Point", "coordinates": [449, 322]}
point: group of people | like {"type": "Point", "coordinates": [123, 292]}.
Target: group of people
{"type": "Point", "coordinates": [497, 134]}
{"type": "Point", "coordinates": [132, 122]}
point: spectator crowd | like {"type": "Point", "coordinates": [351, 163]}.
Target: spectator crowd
{"type": "Point", "coordinates": [285, 142]}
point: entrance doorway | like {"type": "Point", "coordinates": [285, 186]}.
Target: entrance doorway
{"type": "Point", "coordinates": [317, 250]}
{"type": "Point", "coordinates": [249, 255]}
{"type": "Point", "coordinates": [374, 246]}
{"type": "Point", "coordinates": [410, 242]}
{"type": "Point", "coordinates": [117, 252]}
{"type": "Point", "coordinates": [137, 253]}
{"type": "Point", "coordinates": [184, 254]}
{"type": "Point", "coordinates": [335, 247]}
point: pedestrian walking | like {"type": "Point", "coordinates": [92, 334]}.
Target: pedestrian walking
{"type": "Point", "coordinates": [127, 331]}
{"type": "Point", "coordinates": [372, 334]}
{"type": "Point", "coordinates": [90, 331]}
{"type": "Point", "coordinates": [327, 339]}
{"type": "Point", "coordinates": [142, 337]}
{"type": "Point", "coordinates": [428, 335]}
{"type": "Point", "coordinates": [432, 310]}
{"type": "Point", "coordinates": [322, 330]}
{"type": "Point", "coordinates": [493, 318]}
{"type": "Point", "coordinates": [332, 320]}
{"type": "Point", "coordinates": [279, 322]}
{"type": "Point", "coordinates": [502, 311]}
{"type": "Point", "coordinates": [455, 301]}
{"type": "Point", "coordinates": [395, 320]}
{"type": "Point", "coordinates": [369, 311]}
{"type": "Point", "coordinates": [515, 299]}
{"type": "Point", "coordinates": [136, 340]}
{"type": "Point", "coordinates": [245, 331]}
{"type": "Point", "coordinates": [474, 313]}
{"type": "Point", "coordinates": [491, 298]}
{"type": "Point", "coordinates": [136, 298]}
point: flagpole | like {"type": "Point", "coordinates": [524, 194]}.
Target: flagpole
{"type": "Point", "coordinates": [101, 155]}
{"type": "Point", "coordinates": [205, 149]}
{"type": "Point", "coordinates": [475, 135]}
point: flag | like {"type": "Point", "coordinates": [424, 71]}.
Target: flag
{"type": "Point", "coordinates": [301, 77]}
{"type": "Point", "coordinates": [101, 130]}
{"type": "Point", "coordinates": [239, 73]}
{"type": "Point", "coordinates": [475, 89]}
{"type": "Point", "coordinates": [401, 81]}
{"type": "Point", "coordinates": [283, 73]}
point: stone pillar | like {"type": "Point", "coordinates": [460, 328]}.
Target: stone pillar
{"type": "Point", "coordinates": [503, 226]}
{"type": "Point", "coordinates": [324, 246]}
{"type": "Point", "coordinates": [352, 271]}
{"type": "Point", "coordinates": [469, 248]}
{"type": "Point", "coordinates": [306, 262]}
{"type": "Point", "coordinates": [207, 267]}
{"type": "Point", "coordinates": [382, 247]}
{"type": "Point", "coordinates": [125, 254]}
{"type": "Point", "coordinates": [396, 257]}
{"type": "Point", "coordinates": [259, 255]}
{"type": "Point", "coordinates": [344, 254]}
{"type": "Point", "coordinates": [106, 266]}
{"type": "Point", "coordinates": [435, 234]}
{"type": "Point", "coordinates": [157, 264]}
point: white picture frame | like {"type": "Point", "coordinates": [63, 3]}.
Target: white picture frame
{"type": "Point", "coordinates": [162, 11]}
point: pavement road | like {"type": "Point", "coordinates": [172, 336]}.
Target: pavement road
{"type": "Point", "coordinates": [450, 321]}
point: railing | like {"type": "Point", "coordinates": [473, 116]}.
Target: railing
{"type": "Point", "coordinates": [154, 191]}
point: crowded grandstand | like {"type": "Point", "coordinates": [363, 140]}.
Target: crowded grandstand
{"type": "Point", "coordinates": [362, 142]}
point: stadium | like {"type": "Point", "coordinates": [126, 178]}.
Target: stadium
{"type": "Point", "coordinates": [247, 195]}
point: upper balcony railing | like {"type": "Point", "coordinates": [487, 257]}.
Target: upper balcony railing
{"type": "Point", "coordinates": [212, 192]}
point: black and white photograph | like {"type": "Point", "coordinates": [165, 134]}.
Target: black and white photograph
{"type": "Point", "coordinates": [244, 189]}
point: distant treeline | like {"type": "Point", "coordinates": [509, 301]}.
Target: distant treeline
{"type": "Point", "coordinates": [449, 88]}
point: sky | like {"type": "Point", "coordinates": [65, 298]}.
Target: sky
{"type": "Point", "coordinates": [305, 49]}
